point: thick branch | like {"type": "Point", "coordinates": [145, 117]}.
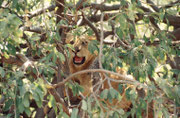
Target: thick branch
{"type": "Point", "coordinates": [107, 33]}
{"type": "Point", "coordinates": [173, 20]}
{"type": "Point", "coordinates": [172, 4]}
{"type": "Point", "coordinates": [92, 27]}
{"type": "Point", "coordinates": [38, 30]}
{"type": "Point", "coordinates": [156, 43]}
{"type": "Point", "coordinates": [96, 18]}
{"type": "Point", "coordinates": [41, 11]}
{"type": "Point", "coordinates": [11, 60]}
{"type": "Point", "coordinates": [58, 99]}
{"type": "Point", "coordinates": [60, 5]}
{"type": "Point", "coordinates": [176, 35]}
{"type": "Point", "coordinates": [102, 7]}
{"type": "Point", "coordinates": [153, 5]}
{"type": "Point", "coordinates": [175, 63]}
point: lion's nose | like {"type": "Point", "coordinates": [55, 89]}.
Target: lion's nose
{"type": "Point", "coordinates": [76, 49]}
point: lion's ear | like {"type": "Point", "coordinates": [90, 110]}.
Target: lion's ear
{"type": "Point", "coordinates": [92, 37]}
{"type": "Point", "coordinates": [69, 37]}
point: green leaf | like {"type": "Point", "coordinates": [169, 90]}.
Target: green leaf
{"type": "Point", "coordinates": [52, 101]}
{"type": "Point", "coordinates": [35, 96]}
{"type": "Point", "coordinates": [74, 113]}
{"type": "Point", "coordinates": [104, 94]}
{"type": "Point", "coordinates": [176, 71]}
{"type": "Point", "coordinates": [61, 56]}
{"type": "Point", "coordinates": [39, 90]}
{"type": "Point", "coordinates": [84, 105]}
{"type": "Point", "coordinates": [63, 115]}
{"type": "Point", "coordinates": [127, 93]}
{"type": "Point", "coordinates": [26, 100]}
{"type": "Point", "coordinates": [115, 115]}
{"type": "Point", "coordinates": [120, 88]}
{"type": "Point", "coordinates": [75, 90]}
{"type": "Point", "coordinates": [8, 104]}
{"type": "Point", "coordinates": [113, 93]}
{"type": "Point", "coordinates": [119, 33]}
{"type": "Point", "coordinates": [1, 1]}
{"type": "Point", "coordinates": [2, 72]}
{"type": "Point", "coordinates": [122, 21]}
{"type": "Point", "coordinates": [54, 58]}
{"type": "Point", "coordinates": [15, 2]}
{"type": "Point", "coordinates": [92, 46]}
{"type": "Point", "coordinates": [28, 111]}
{"type": "Point", "coordinates": [49, 57]}
{"type": "Point", "coordinates": [69, 46]}
{"type": "Point", "coordinates": [19, 104]}
{"type": "Point", "coordinates": [11, 49]}
{"type": "Point", "coordinates": [6, 55]}
{"type": "Point", "coordinates": [143, 104]}
{"type": "Point", "coordinates": [80, 88]}
{"type": "Point", "coordinates": [90, 32]}
{"type": "Point", "coordinates": [21, 108]}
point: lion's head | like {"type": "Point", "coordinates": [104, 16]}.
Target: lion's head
{"type": "Point", "coordinates": [80, 57]}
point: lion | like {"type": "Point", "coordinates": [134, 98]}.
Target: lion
{"type": "Point", "coordinates": [80, 59]}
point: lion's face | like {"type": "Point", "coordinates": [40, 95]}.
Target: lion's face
{"type": "Point", "coordinates": [80, 56]}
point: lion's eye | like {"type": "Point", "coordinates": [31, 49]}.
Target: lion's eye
{"type": "Point", "coordinates": [83, 43]}
{"type": "Point", "coordinates": [71, 42]}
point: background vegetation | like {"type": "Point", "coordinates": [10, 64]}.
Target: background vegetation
{"type": "Point", "coordinates": [142, 36]}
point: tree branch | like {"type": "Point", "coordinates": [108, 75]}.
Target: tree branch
{"type": "Point", "coordinates": [175, 35]}
{"type": "Point", "coordinates": [58, 99]}
{"type": "Point", "coordinates": [80, 4]}
{"type": "Point", "coordinates": [96, 31]}
{"type": "Point", "coordinates": [41, 11]}
{"type": "Point", "coordinates": [173, 20]}
{"type": "Point", "coordinates": [96, 18]}
{"type": "Point", "coordinates": [11, 11]}
{"type": "Point", "coordinates": [102, 7]}
{"type": "Point", "coordinates": [123, 77]}
{"type": "Point", "coordinates": [172, 4]}
{"type": "Point", "coordinates": [38, 30]}
{"type": "Point", "coordinates": [11, 60]}
{"type": "Point", "coordinates": [153, 5]}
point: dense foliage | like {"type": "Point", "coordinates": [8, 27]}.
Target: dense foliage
{"type": "Point", "coordinates": [141, 36]}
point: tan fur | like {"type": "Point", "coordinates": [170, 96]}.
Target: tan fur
{"type": "Point", "coordinates": [85, 80]}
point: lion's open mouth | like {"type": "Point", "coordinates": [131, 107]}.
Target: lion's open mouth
{"type": "Point", "coordinates": [78, 60]}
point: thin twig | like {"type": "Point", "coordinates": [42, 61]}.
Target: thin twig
{"type": "Point", "coordinates": [101, 41]}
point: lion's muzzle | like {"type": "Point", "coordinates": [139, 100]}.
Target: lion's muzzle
{"type": "Point", "coordinates": [78, 60]}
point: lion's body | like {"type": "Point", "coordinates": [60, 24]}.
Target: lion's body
{"type": "Point", "coordinates": [81, 59]}
{"type": "Point", "coordinates": [81, 50]}
{"type": "Point", "coordinates": [80, 45]}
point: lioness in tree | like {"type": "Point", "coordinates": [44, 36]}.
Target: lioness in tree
{"type": "Point", "coordinates": [81, 59]}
